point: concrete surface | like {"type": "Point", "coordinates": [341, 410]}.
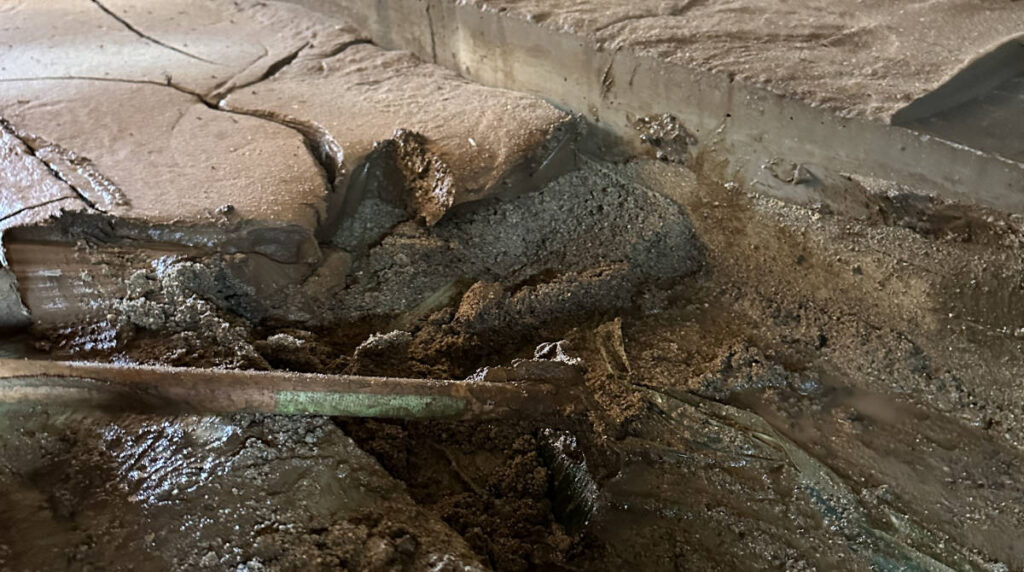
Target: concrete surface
{"type": "Point", "coordinates": [240, 127]}
{"type": "Point", "coordinates": [810, 83]}
{"type": "Point", "coordinates": [127, 95]}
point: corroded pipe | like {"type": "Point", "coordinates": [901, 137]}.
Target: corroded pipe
{"type": "Point", "coordinates": [215, 391]}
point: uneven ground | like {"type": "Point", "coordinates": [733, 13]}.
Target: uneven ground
{"type": "Point", "coordinates": [768, 386]}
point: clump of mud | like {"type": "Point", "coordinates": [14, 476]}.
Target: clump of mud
{"type": "Point", "coordinates": [582, 228]}
{"type": "Point", "coordinates": [509, 271]}
{"type": "Point", "coordinates": [194, 311]}
{"type": "Point", "coordinates": [172, 310]}
{"type": "Point", "coordinates": [669, 138]}
{"type": "Point", "coordinates": [490, 483]}
{"type": "Point", "coordinates": [397, 296]}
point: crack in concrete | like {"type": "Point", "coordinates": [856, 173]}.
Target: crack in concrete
{"type": "Point", "coordinates": [23, 210]}
{"type": "Point", "coordinates": [168, 82]}
{"type": "Point", "coordinates": [128, 25]}
{"type": "Point", "coordinates": [433, 37]}
{"type": "Point", "coordinates": [277, 65]}
{"type": "Point", "coordinates": [8, 127]}
{"type": "Point", "coordinates": [227, 87]}
{"type": "Point", "coordinates": [326, 151]}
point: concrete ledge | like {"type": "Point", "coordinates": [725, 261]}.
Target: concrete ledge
{"type": "Point", "coordinates": [738, 128]}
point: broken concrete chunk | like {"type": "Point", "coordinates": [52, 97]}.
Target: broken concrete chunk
{"type": "Point", "coordinates": [452, 141]}
{"type": "Point", "coordinates": [582, 243]}
{"type": "Point", "coordinates": [27, 185]}
{"type": "Point", "coordinates": [169, 168]}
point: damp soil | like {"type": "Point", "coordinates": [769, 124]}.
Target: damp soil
{"type": "Point", "coordinates": [768, 387]}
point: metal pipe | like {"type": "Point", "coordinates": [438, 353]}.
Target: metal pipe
{"type": "Point", "coordinates": [215, 391]}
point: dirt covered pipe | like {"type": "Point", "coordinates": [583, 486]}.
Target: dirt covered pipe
{"type": "Point", "coordinates": [500, 393]}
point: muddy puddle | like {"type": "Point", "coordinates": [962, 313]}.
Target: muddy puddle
{"type": "Point", "coordinates": [767, 387]}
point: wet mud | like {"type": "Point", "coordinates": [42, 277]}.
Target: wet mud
{"type": "Point", "coordinates": [824, 382]}
{"type": "Point", "coordinates": [768, 387]}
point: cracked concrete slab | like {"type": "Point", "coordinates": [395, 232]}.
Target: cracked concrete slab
{"type": "Point", "coordinates": [453, 141]}
{"type": "Point", "coordinates": [141, 72]}
{"type": "Point", "coordinates": [170, 169]}
{"type": "Point", "coordinates": [115, 97]}
{"type": "Point", "coordinates": [197, 45]}
{"type": "Point", "coordinates": [244, 127]}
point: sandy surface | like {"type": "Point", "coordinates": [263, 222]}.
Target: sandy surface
{"type": "Point", "coordinates": [867, 58]}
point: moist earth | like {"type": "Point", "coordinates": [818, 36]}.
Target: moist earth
{"type": "Point", "coordinates": [768, 386]}
{"type": "Point", "coordinates": [830, 385]}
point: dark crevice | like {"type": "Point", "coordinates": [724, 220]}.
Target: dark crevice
{"type": "Point", "coordinates": [145, 36]}
{"type": "Point", "coordinates": [337, 50]}
{"type": "Point", "coordinates": [166, 83]}
{"type": "Point", "coordinates": [278, 65]}
{"type": "Point", "coordinates": [433, 39]}
{"type": "Point", "coordinates": [227, 87]}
